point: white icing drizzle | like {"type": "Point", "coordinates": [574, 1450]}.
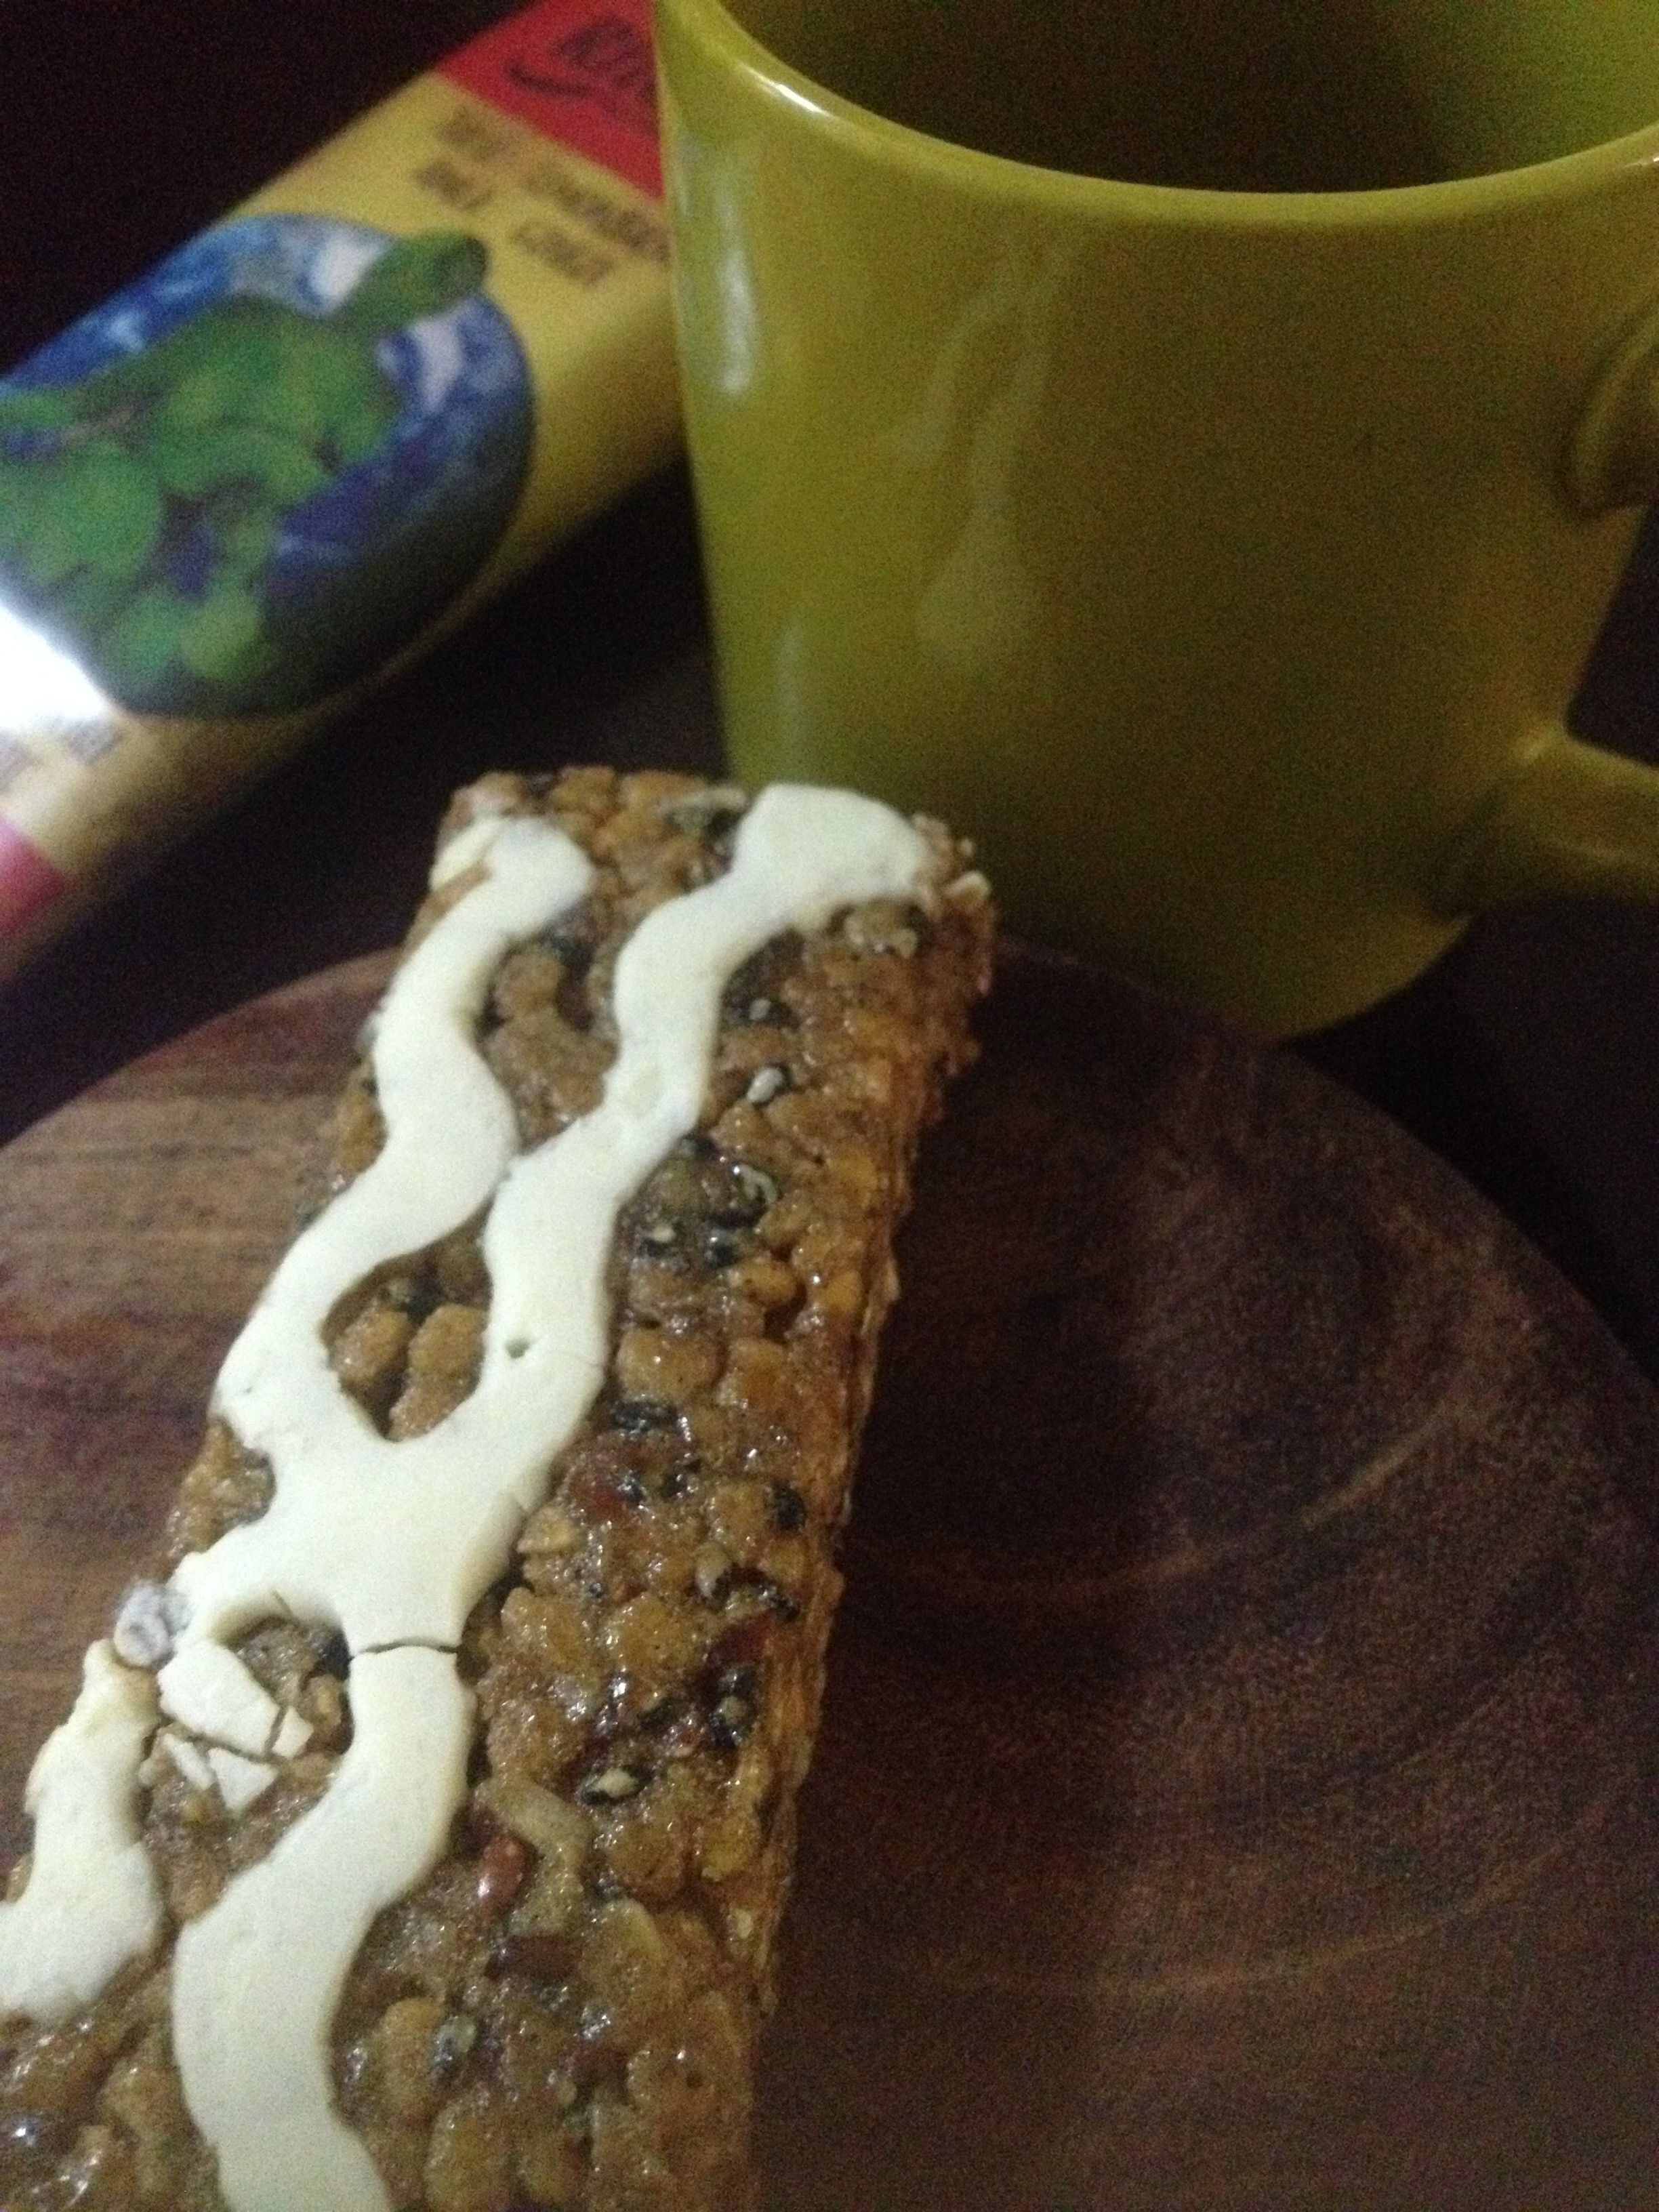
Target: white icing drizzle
{"type": "Point", "coordinates": [293, 1734]}
{"type": "Point", "coordinates": [209, 1691]}
{"type": "Point", "coordinates": [451, 1136]}
{"type": "Point", "coordinates": [93, 1901]}
{"type": "Point", "coordinates": [188, 1757]}
{"type": "Point", "coordinates": [254, 1978]}
{"type": "Point", "coordinates": [257, 1978]}
{"type": "Point", "coordinates": [240, 1780]}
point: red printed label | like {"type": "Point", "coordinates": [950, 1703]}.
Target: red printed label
{"type": "Point", "coordinates": [580, 72]}
{"type": "Point", "coordinates": [28, 881]}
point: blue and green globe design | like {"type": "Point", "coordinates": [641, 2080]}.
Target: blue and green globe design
{"type": "Point", "coordinates": [249, 477]}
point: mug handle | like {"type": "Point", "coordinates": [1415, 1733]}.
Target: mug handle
{"type": "Point", "coordinates": [1569, 819]}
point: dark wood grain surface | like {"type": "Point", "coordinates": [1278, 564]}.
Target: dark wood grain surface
{"type": "Point", "coordinates": [1237, 1786]}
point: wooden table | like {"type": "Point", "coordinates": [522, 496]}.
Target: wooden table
{"type": "Point", "coordinates": [1528, 1060]}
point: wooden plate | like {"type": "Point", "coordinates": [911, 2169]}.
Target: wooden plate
{"type": "Point", "coordinates": [1237, 1786]}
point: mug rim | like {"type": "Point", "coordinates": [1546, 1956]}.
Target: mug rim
{"type": "Point", "coordinates": [971, 170]}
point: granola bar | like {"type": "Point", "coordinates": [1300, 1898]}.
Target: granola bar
{"type": "Point", "coordinates": [422, 1832]}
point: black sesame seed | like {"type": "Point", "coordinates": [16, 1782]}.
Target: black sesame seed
{"type": "Point", "coordinates": [667, 1712]}
{"type": "Point", "coordinates": [571, 940]}
{"type": "Point", "coordinates": [749, 1191]}
{"type": "Point", "coordinates": [639, 1417]}
{"type": "Point", "coordinates": [774, 1599]}
{"type": "Point", "coordinates": [788, 1509]}
{"type": "Point", "coordinates": [679, 1478]}
{"type": "Point", "coordinates": [418, 1296]}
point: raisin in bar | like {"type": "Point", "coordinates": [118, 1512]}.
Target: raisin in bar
{"type": "Point", "coordinates": [420, 1834]}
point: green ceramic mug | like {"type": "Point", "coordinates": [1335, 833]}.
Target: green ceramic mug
{"type": "Point", "coordinates": [1191, 443]}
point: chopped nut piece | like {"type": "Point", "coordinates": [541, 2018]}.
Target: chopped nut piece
{"type": "Point", "coordinates": [552, 1827]}
{"type": "Point", "coordinates": [404, 2048]}
{"type": "Point", "coordinates": [442, 1368]}
{"type": "Point", "coordinates": [667, 1366]}
{"type": "Point", "coordinates": [369, 1353]}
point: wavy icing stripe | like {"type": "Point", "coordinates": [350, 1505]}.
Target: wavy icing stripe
{"type": "Point", "coordinates": [393, 1543]}
{"type": "Point", "coordinates": [93, 1901]}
